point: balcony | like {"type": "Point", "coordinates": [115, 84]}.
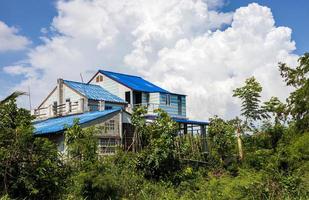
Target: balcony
{"type": "Point", "coordinates": [173, 111]}
{"type": "Point", "coordinates": [67, 108]}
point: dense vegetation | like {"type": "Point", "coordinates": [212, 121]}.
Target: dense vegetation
{"type": "Point", "coordinates": [262, 154]}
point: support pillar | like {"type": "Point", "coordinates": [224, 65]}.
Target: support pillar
{"type": "Point", "coordinates": [81, 105]}
{"type": "Point", "coordinates": [204, 138]}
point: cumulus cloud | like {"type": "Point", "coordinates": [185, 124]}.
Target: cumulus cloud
{"type": "Point", "coordinates": [177, 44]}
{"type": "Point", "coordinates": [10, 40]}
{"type": "Point", "coordinates": [28, 72]}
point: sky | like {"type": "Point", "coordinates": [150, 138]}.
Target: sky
{"type": "Point", "coordinates": [203, 48]}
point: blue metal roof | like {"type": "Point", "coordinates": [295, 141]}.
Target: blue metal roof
{"type": "Point", "coordinates": [55, 125]}
{"type": "Point", "coordinates": [187, 121]}
{"type": "Point", "coordinates": [134, 82]}
{"type": "Point", "coordinates": [94, 92]}
{"type": "Point", "coordinates": [180, 120]}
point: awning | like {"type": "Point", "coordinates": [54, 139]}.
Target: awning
{"type": "Point", "coordinates": [58, 124]}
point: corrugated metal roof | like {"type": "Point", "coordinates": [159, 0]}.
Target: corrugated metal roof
{"type": "Point", "coordinates": [134, 82]}
{"type": "Point", "coordinates": [180, 120]}
{"type": "Point", "coordinates": [94, 92]}
{"type": "Point", "coordinates": [187, 121]}
{"type": "Point", "coordinates": [55, 125]}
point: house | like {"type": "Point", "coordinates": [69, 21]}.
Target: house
{"type": "Point", "coordinates": [110, 123]}
{"type": "Point", "coordinates": [137, 91]}
{"type": "Point", "coordinates": [70, 97]}
{"type": "Point", "coordinates": [107, 100]}
{"type": "Point", "coordinates": [91, 105]}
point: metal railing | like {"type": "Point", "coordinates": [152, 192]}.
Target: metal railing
{"type": "Point", "coordinates": [58, 110]}
{"type": "Point", "coordinates": [151, 107]}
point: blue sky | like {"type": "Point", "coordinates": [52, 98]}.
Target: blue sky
{"type": "Point", "coordinates": [32, 15]}
{"type": "Point", "coordinates": [290, 13]}
{"type": "Point", "coordinates": [130, 48]}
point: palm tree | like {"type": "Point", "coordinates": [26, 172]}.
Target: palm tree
{"type": "Point", "coordinates": [12, 96]}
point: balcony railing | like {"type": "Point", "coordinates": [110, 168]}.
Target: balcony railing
{"type": "Point", "coordinates": [59, 110]}
{"type": "Point", "coordinates": [151, 107]}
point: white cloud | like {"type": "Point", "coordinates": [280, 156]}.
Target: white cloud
{"type": "Point", "coordinates": [28, 72]}
{"type": "Point", "coordinates": [177, 44]}
{"type": "Point", "coordinates": [10, 40]}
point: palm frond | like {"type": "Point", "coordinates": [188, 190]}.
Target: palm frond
{"type": "Point", "coordinates": [12, 96]}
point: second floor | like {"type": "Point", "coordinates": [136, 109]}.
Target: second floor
{"type": "Point", "coordinates": [70, 97]}
{"type": "Point", "coordinates": [137, 91]}
{"type": "Point", "coordinates": [108, 90]}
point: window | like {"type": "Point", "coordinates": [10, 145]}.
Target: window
{"type": "Point", "coordinates": [168, 99]}
{"type": "Point", "coordinates": [147, 98]}
{"type": "Point", "coordinates": [108, 107]}
{"type": "Point", "coordinates": [99, 78]}
{"type": "Point", "coordinates": [108, 145]}
{"type": "Point", "coordinates": [128, 97]}
{"type": "Point", "coordinates": [179, 105]}
{"type": "Point", "coordinates": [110, 125]}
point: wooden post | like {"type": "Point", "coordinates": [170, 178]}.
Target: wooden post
{"type": "Point", "coordinates": [185, 128]}
{"type": "Point", "coordinates": [203, 134]}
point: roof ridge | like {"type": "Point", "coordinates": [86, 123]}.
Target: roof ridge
{"type": "Point", "coordinates": [101, 70]}
{"type": "Point", "coordinates": [81, 83]}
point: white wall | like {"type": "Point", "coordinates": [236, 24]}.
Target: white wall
{"type": "Point", "coordinates": [53, 97]}
{"type": "Point", "coordinates": [112, 86]}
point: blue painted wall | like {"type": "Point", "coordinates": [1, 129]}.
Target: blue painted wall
{"type": "Point", "coordinates": [173, 107]}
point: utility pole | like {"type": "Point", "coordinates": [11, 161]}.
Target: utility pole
{"type": "Point", "coordinates": [29, 95]}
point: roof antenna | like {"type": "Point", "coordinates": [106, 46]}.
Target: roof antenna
{"type": "Point", "coordinates": [81, 77]}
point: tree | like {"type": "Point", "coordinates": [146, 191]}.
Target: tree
{"type": "Point", "coordinates": [277, 108]}
{"type": "Point", "coordinates": [250, 94]}
{"type": "Point", "coordinates": [88, 178]}
{"type": "Point", "coordinates": [298, 101]}
{"type": "Point", "coordinates": [29, 167]}
{"type": "Point", "coordinates": [140, 128]}
{"type": "Point", "coordinates": [222, 140]}
{"type": "Point", "coordinates": [250, 107]}
{"type": "Point", "coordinates": [82, 146]}
{"type": "Point", "coordinates": [12, 96]}
{"type": "Point", "coordinates": [159, 158]}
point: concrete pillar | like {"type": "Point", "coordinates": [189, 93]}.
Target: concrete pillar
{"type": "Point", "coordinates": [67, 107]}
{"type": "Point", "coordinates": [50, 111]}
{"type": "Point", "coordinates": [101, 105]}
{"type": "Point", "coordinates": [60, 91]}
{"type": "Point", "coordinates": [131, 99]}
{"type": "Point", "coordinates": [81, 106]}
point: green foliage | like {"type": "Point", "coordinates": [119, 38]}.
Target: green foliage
{"type": "Point", "coordinates": [82, 146]}
{"type": "Point", "coordinates": [250, 94]}
{"type": "Point", "coordinates": [298, 101]}
{"type": "Point", "coordinates": [159, 158]}
{"type": "Point", "coordinates": [29, 167]}
{"type": "Point", "coordinates": [277, 109]}
{"type": "Point", "coordinates": [276, 165]}
{"type": "Point", "coordinates": [141, 136]}
{"type": "Point", "coordinates": [11, 97]}
{"type": "Point", "coordinates": [222, 141]}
